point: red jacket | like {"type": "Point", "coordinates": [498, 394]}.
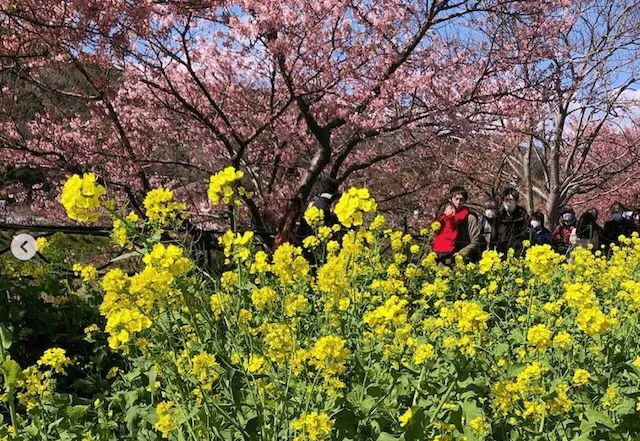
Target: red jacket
{"type": "Point", "coordinates": [445, 240]}
{"type": "Point", "coordinates": [562, 234]}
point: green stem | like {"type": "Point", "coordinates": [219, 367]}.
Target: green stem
{"type": "Point", "coordinates": [442, 401]}
{"type": "Point", "coordinates": [416, 393]}
{"type": "Point", "coordinates": [10, 393]}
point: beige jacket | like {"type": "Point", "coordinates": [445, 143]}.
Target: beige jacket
{"type": "Point", "coordinates": [468, 241]}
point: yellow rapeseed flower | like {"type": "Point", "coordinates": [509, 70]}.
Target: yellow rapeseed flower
{"type": "Point", "coordinates": [405, 417]}
{"type": "Point", "coordinates": [81, 197]}
{"type": "Point", "coordinates": [56, 359]}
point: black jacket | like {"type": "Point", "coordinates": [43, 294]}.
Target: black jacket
{"type": "Point", "coordinates": [513, 229]}
{"type": "Point", "coordinates": [613, 229]}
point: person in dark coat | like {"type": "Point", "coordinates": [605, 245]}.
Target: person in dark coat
{"type": "Point", "coordinates": [617, 226]}
{"type": "Point", "coordinates": [587, 231]}
{"type": "Point", "coordinates": [539, 234]}
{"type": "Point", "coordinates": [489, 225]}
{"type": "Point", "coordinates": [513, 223]}
{"type": "Point", "coordinates": [329, 194]}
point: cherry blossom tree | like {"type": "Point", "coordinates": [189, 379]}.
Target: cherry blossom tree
{"type": "Point", "coordinates": [570, 130]}
{"type": "Point", "coordinates": [165, 93]}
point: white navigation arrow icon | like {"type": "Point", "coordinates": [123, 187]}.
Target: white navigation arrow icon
{"type": "Point", "coordinates": [23, 246]}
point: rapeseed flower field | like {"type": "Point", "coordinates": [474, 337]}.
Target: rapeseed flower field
{"type": "Point", "coordinates": [376, 342]}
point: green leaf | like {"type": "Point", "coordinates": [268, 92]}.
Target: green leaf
{"type": "Point", "coordinates": [12, 372]}
{"type": "Point", "coordinates": [252, 428]}
{"type": "Point", "coordinates": [5, 337]}
{"type": "Point", "coordinates": [153, 375]}
{"type": "Point", "coordinates": [384, 436]}
{"type": "Point", "coordinates": [367, 404]}
{"type": "Point", "coordinates": [126, 256]}
{"type": "Point", "coordinates": [599, 418]}
{"type": "Point", "coordinates": [346, 424]}
{"type": "Point", "coordinates": [131, 397]}
{"type": "Point", "coordinates": [415, 428]}
{"type": "Point", "coordinates": [76, 412]}
{"type": "Point", "coordinates": [131, 416]}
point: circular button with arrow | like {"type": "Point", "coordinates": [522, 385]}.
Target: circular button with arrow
{"type": "Point", "coordinates": [23, 246]}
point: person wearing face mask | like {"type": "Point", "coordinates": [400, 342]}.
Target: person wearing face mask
{"type": "Point", "coordinates": [512, 223]}
{"type": "Point", "coordinates": [564, 234]}
{"type": "Point", "coordinates": [488, 225]}
{"type": "Point", "coordinates": [539, 234]}
{"type": "Point", "coordinates": [617, 226]}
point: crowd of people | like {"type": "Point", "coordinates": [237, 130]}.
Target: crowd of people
{"type": "Point", "coordinates": [504, 225]}
{"type": "Point", "coordinates": [507, 225]}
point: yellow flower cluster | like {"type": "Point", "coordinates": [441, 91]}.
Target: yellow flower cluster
{"type": "Point", "coordinates": [314, 216]}
{"type": "Point", "coordinates": [166, 421]}
{"type": "Point", "coordinates": [393, 312]}
{"type": "Point", "coordinates": [256, 364]}
{"type": "Point", "coordinates": [405, 417]}
{"type": "Point", "coordinates": [42, 244]}
{"type": "Point", "coordinates": [352, 205]}
{"type": "Point", "coordinates": [480, 425]}
{"type": "Point", "coordinates": [87, 273]}
{"type": "Point", "coordinates": [262, 297]}
{"type": "Point", "coordinates": [490, 262]}
{"type": "Point", "coordinates": [81, 197]}
{"type": "Point", "coordinates": [237, 247]}
{"type": "Point", "coordinates": [590, 319]}
{"type": "Point", "coordinates": [129, 300]}
{"type": "Point", "coordinates": [35, 386]}
{"type": "Point", "coordinates": [119, 233]}
{"type": "Point", "coordinates": [542, 261]}
{"type": "Point", "coordinates": [203, 367]}
{"type": "Point", "coordinates": [221, 185]}
{"type": "Point", "coordinates": [289, 265]}
{"type": "Point", "coordinates": [423, 353]}
{"type": "Point", "coordinates": [161, 208]}
{"type": "Point", "coordinates": [56, 359]}
{"type": "Point", "coordinates": [280, 342]}
{"type": "Point", "coordinates": [312, 426]}
{"type": "Point", "coordinates": [581, 377]}
{"type": "Point", "coordinates": [329, 356]}
{"type": "Point", "coordinates": [539, 337]}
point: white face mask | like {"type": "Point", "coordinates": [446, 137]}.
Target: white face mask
{"type": "Point", "coordinates": [568, 217]}
{"type": "Point", "coordinates": [616, 216]}
{"type": "Point", "coordinates": [490, 213]}
{"type": "Point", "coordinates": [535, 224]}
{"type": "Point", "coordinates": [510, 206]}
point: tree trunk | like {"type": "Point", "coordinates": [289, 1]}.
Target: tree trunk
{"type": "Point", "coordinates": [528, 185]}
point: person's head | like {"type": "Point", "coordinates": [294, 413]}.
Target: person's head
{"type": "Point", "coordinates": [444, 206]}
{"type": "Point", "coordinates": [586, 223]}
{"type": "Point", "coordinates": [537, 220]}
{"type": "Point", "coordinates": [510, 198]}
{"type": "Point", "coordinates": [567, 215]}
{"type": "Point", "coordinates": [636, 215]}
{"type": "Point", "coordinates": [594, 212]}
{"type": "Point", "coordinates": [616, 210]}
{"type": "Point", "coordinates": [490, 208]}
{"type": "Point", "coordinates": [329, 186]}
{"type": "Point", "coordinates": [458, 196]}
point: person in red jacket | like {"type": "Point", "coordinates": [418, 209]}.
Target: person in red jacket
{"type": "Point", "coordinates": [444, 243]}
